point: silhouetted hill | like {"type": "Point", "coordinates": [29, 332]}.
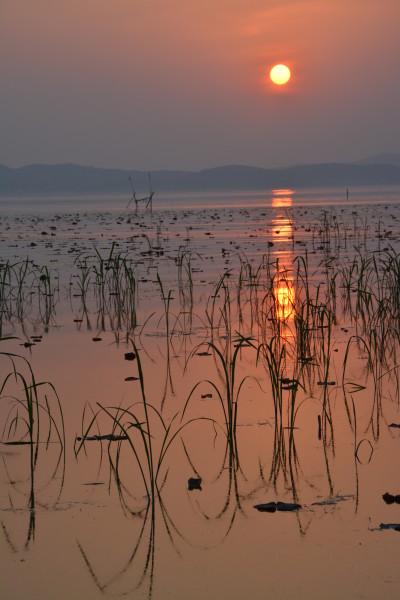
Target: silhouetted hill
{"type": "Point", "coordinates": [74, 179]}
{"type": "Point", "coordinates": [381, 159]}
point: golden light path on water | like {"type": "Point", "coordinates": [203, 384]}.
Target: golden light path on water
{"type": "Point", "coordinates": [284, 290]}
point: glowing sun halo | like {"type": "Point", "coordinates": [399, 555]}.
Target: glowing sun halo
{"type": "Point", "coordinates": [280, 74]}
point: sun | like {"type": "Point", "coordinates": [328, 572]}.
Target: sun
{"type": "Point", "coordinates": [280, 74]}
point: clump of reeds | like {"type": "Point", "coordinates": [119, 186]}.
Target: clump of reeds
{"type": "Point", "coordinates": [228, 395]}
{"type": "Point", "coordinates": [136, 426]}
{"type": "Point", "coordinates": [27, 291]}
{"type": "Point", "coordinates": [24, 421]}
{"type": "Point", "coordinates": [111, 283]}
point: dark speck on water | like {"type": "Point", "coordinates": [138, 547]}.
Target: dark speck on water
{"type": "Point", "coordinates": [274, 506]}
{"type": "Point", "coordinates": [194, 483]}
{"type": "Point", "coordinates": [390, 498]}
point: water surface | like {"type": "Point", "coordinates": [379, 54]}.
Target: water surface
{"type": "Point", "coordinates": [230, 265]}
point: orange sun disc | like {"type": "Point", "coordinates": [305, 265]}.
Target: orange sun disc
{"type": "Point", "coordinates": [280, 74]}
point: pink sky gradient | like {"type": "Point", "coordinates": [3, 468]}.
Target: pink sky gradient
{"type": "Point", "coordinates": [184, 84]}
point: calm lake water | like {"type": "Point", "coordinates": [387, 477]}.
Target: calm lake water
{"type": "Point", "coordinates": [304, 197]}
{"type": "Point", "coordinates": [287, 303]}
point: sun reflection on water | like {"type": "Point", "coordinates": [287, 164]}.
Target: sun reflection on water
{"type": "Point", "coordinates": [284, 293]}
{"type": "Point", "coordinates": [282, 198]}
{"type": "Point", "coordinates": [282, 231]}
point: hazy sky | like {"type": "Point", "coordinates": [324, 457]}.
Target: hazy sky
{"type": "Point", "coordinates": [183, 84]}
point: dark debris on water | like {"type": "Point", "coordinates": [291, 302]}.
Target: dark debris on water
{"type": "Point", "coordinates": [395, 526]}
{"type": "Point", "coordinates": [194, 483]}
{"type": "Point", "coordinates": [280, 506]}
{"type": "Point", "coordinates": [390, 498]}
{"type": "Point", "coordinates": [110, 437]}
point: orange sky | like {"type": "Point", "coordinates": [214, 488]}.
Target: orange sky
{"type": "Point", "coordinates": [178, 84]}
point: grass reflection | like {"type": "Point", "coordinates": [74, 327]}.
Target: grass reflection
{"type": "Point", "coordinates": [33, 423]}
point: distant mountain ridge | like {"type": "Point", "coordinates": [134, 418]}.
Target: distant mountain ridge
{"type": "Point", "coordinates": [383, 169]}
{"type": "Point", "coordinates": [381, 159]}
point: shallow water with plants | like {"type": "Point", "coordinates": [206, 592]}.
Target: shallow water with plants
{"type": "Point", "coordinates": [201, 400]}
